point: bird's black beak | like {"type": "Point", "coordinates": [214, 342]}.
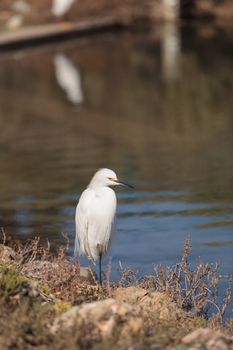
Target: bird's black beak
{"type": "Point", "coordinates": [123, 183]}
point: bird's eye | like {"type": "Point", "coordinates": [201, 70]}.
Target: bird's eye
{"type": "Point", "coordinates": [111, 178]}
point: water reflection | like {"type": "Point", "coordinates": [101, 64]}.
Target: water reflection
{"type": "Point", "coordinates": [68, 77]}
{"type": "Point", "coordinates": [172, 136]}
{"type": "Point", "coordinates": [171, 51]}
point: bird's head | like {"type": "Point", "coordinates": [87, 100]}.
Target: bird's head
{"type": "Point", "coordinates": [106, 177]}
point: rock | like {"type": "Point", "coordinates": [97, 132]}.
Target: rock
{"type": "Point", "coordinates": [131, 295]}
{"type": "Point", "coordinates": [7, 254]}
{"type": "Point", "coordinates": [105, 316]}
{"type": "Point", "coordinates": [153, 304]}
{"type": "Point", "coordinates": [161, 306]}
{"type": "Point", "coordinates": [199, 335]}
{"type": "Point", "coordinates": [210, 339]}
{"type": "Point", "coordinates": [219, 342]}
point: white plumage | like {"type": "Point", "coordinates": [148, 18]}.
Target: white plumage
{"type": "Point", "coordinates": [95, 215]}
{"type": "Point", "coordinates": [69, 78]}
{"type": "Point", "coordinates": [60, 7]}
{"type": "Point", "coordinates": [94, 220]}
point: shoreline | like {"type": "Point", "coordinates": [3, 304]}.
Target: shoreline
{"type": "Point", "coordinates": [23, 24]}
{"type": "Point", "coordinates": [51, 302]}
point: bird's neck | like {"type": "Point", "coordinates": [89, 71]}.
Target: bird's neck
{"type": "Point", "coordinates": [98, 188]}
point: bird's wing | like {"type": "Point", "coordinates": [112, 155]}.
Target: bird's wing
{"type": "Point", "coordinates": [81, 222]}
{"type": "Point", "coordinates": [100, 220]}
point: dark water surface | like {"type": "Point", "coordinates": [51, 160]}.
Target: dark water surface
{"type": "Point", "coordinates": [155, 107]}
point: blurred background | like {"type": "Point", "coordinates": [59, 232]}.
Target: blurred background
{"type": "Point", "coordinates": [150, 96]}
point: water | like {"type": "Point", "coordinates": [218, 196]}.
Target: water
{"type": "Point", "coordinates": [155, 107]}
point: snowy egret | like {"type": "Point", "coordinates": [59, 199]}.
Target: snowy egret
{"type": "Point", "coordinates": [95, 215]}
{"type": "Point", "coordinates": [60, 7]}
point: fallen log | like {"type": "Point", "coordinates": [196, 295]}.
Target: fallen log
{"type": "Point", "coordinates": [41, 33]}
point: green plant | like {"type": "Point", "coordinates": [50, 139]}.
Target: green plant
{"type": "Point", "coordinates": [10, 279]}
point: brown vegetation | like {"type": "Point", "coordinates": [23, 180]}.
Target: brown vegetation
{"type": "Point", "coordinates": [46, 304]}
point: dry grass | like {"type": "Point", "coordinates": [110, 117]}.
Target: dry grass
{"type": "Point", "coordinates": [194, 289]}
{"type": "Point", "coordinates": [56, 275]}
{"type": "Point", "coordinates": [37, 285]}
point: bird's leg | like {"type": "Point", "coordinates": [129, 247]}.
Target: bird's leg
{"type": "Point", "coordinates": [99, 247]}
{"type": "Point", "coordinates": [100, 269]}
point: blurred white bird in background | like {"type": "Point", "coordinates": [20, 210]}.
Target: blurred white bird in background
{"type": "Point", "coordinates": [60, 7]}
{"type": "Point", "coordinates": [95, 215]}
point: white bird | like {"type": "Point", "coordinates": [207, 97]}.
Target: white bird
{"type": "Point", "coordinates": [95, 214]}
{"type": "Point", "coordinates": [60, 7]}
